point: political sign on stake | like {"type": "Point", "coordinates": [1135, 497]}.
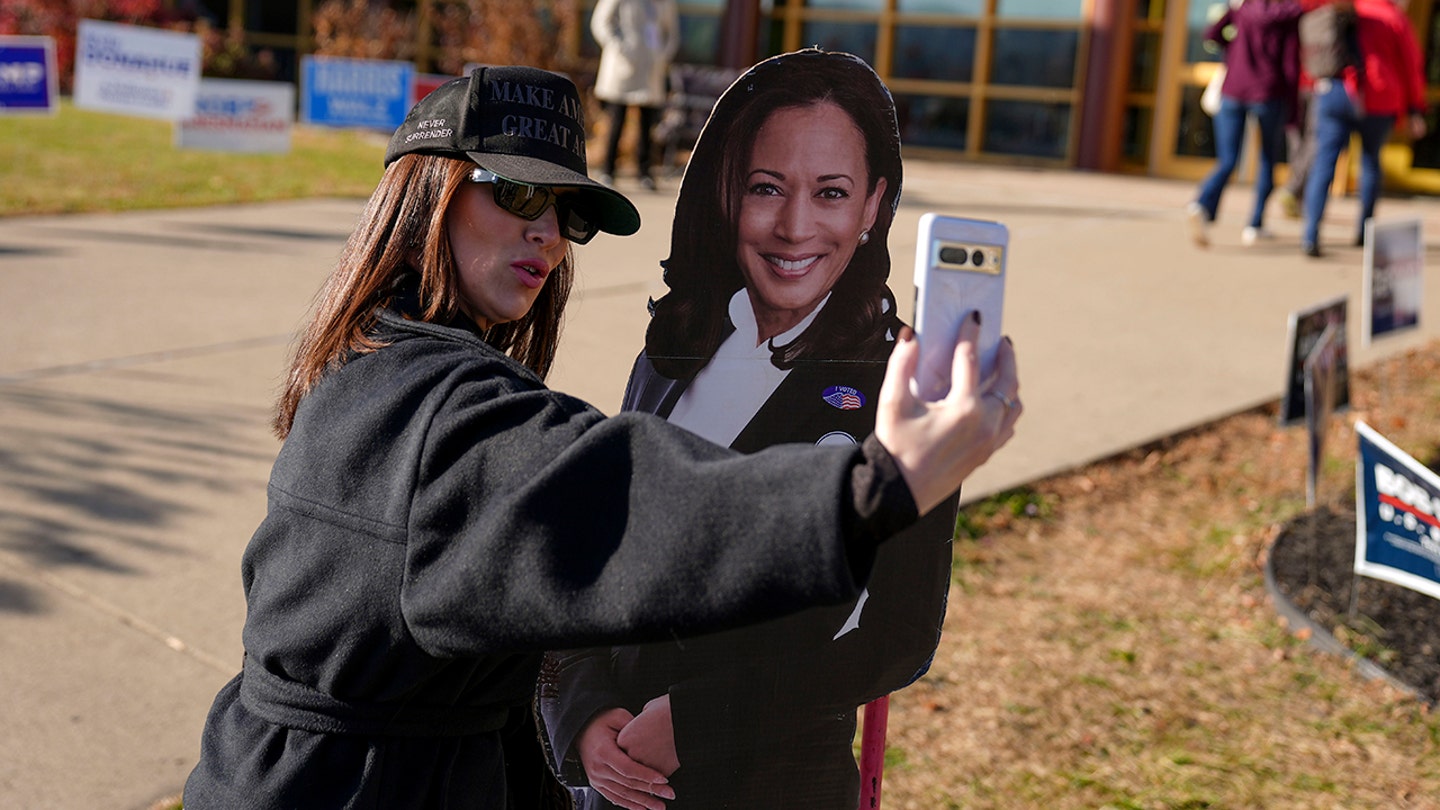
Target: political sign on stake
{"type": "Point", "coordinates": [28, 80]}
{"type": "Point", "coordinates": [363, 93]}
{"type": "Point", "coordinates": [1394, 253]}
{"type": "Point", "coordinates": [236, 115]}
{"type": "Point", "coordinates": [1320, 367]}
{"type": "Point", "coordinates": [131, 70]}
{"type": "Point", "coordinates": [1397, 501]}
{"type": "Point", "coordinates": [1306, 328]}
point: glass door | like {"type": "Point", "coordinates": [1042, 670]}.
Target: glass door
{"type": "Point", "coordinates": [1182, 143]}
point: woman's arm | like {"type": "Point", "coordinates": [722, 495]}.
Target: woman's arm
{"type": "Point", "coordinates": [541, 525]}
{"type": "Point", "coordinates": [536, 523]}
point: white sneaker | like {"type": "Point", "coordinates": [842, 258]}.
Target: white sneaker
{"type": "Point", "coordinates": [1197, 224]}
{"type": "Point", "coordinates": [1250, 236]}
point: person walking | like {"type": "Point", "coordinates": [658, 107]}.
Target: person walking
{"type": "Point", "coordinates": [638, 39]}
{"type": "Point", "coordinates": [1262, 75]}
{"type": "Point", "coordinates": [438, 517]}
{"type": "Point", "coordinates": [1386, 82]}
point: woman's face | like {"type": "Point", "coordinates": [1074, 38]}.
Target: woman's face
{"type": "Point", "coordinates": [802, 210]}
{"type": "Point", "coordinates": [501, 260]}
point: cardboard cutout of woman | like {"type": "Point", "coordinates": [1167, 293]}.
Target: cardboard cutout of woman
{"type": "Point", "coordinates": [776, 328]}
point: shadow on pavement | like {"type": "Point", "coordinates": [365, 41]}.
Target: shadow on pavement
{"type": "Point", "coordinates": [100, 483]}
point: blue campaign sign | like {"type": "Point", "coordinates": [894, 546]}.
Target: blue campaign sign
{"type": "Point", "coordinates": [366, 93]}
{"type": "Point", "coordinates": [1397, 516]}
{"type": "Point", "coordinates": [27, 75]}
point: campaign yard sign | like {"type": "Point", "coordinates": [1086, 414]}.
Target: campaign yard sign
{"type": "Point", "coordinates": [136, 71]}
{"type": "Point", "coordinates": [28, 80]}
{"type": "Point", "coordinates": [1393, 277]}
{"type": "Point", "coordinates": [238, 115]}
{"type": "Point", "coordinates": [362, 93]}
{"type": "Point", "coordinates": [1320, 378]}
{"type": "Point", "coordinates": [1397, 516]}
{"type": "Point", "coordinates": [1307, 326]}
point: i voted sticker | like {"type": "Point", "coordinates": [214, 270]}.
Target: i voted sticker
{"type": "Point", "coordinates": [844, 397]}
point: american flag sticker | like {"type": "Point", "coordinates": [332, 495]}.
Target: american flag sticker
{"type": "Point", "coordinates": [844, 397]}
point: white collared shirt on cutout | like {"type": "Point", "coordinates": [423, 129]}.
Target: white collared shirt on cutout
{"type": "Point", "coordinates": [729, 390]}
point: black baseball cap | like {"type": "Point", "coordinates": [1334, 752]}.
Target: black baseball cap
{"type": "Point", "coordinates": [522, 123]}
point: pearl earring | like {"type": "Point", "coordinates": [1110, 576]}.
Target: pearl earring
{"type": "Point", "coordinates": [865, 237]}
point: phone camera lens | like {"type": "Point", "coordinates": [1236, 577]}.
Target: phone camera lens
{"type": "Point", "coordinates": [978, 257]}
{"type": "Point", "coordinates": [953, 255]}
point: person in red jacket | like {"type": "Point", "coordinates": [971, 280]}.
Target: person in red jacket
{"type": "Point", "coordinates": [1387, 83]}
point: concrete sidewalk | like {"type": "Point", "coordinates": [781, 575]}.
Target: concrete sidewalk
{"type": "Point", "coordinates": [142, 352]}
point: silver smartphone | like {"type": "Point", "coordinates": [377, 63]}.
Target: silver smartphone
{"type": "Point", "coordinates": [959, 267]}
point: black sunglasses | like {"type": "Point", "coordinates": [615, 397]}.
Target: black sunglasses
{"type": "Point", "coordinates": [529, 202]}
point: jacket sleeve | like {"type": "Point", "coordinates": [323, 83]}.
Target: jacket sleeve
{"type": "Point", "coordinates": [536, 523]}
{"type": "Point", "coordinates": [605, 22]}
{"type": "Point", "coordinates": [583, 687]}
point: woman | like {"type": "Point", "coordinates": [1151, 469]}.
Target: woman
{"type": "Point", "coordinates": [637, 40]}
{"type": "Point", "coordinates": [1262, 80]}
{"type": "Point", "coordinates": [438, 517]}
{"type": "Point", "coordinates": [776, 329]}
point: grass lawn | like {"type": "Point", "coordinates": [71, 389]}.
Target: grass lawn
{"type": "Point", "coordinates": [81, 161]}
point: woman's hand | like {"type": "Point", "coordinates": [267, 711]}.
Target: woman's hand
{"type": "Point", "coordinates": [618, 777]}
{"type": "Point", "coordinates": [650, 737]}
{"type": "Point", "coordinates": [938, 444]}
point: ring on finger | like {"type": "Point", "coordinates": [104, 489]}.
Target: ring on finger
{"type": "Point", "coordinates": [1004, 400]}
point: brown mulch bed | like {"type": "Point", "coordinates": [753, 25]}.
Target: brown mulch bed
{"type": "Point", "coordinates": [1396, 628]}
{"type": "Point", "coordinates": [1111, 640]}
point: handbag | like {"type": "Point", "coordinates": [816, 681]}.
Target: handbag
{"type": "Point", "coordinates": [1210, 99]}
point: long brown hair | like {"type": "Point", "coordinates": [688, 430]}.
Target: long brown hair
{"type": "Point", "coordinates": [402, 230]}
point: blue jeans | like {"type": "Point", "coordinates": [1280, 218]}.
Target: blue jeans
{"type": "Point", "coordinates": [1229, 126]}
{"type": "Point", "coordinates": [1335, 121]}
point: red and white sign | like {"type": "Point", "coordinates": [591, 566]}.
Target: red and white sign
{"type": "Point", "coordinates": [236, 115]}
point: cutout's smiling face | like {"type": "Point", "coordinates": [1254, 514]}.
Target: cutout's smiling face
{"type": "Point", "coordinates": [805, 203]}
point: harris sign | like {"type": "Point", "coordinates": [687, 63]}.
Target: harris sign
{"type": "Point", "coordinates": [359, 93]}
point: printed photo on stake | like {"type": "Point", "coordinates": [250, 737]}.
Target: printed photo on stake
{"type": "Point", "coordinates": [1394, 277]}
{"type": "Point", "coordinates": [1306, 328]}
{"type": "Point", "coordinates": [775, 328]}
